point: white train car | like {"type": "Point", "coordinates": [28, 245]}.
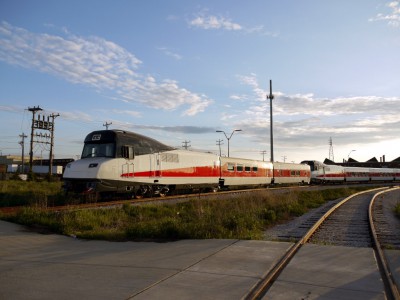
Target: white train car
{"type": "Point", "coordinates": [115, 161]}
{"type": "Point", "coordinates": [322, 173]}
{"type": "Point", "coordinates": [396, 174]}
{"type": "Point", "coordinates": [245, 172]}
{"type": "Point", "coordinates": [382, 174]}
{"type": "Point", "coordinates": [356, 174]}
{"type": "Point", "coordinates": [291, 173]}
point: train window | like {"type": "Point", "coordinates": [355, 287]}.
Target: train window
{"type": "Point", "coordinates": [231, 167]}
{"type": "Point", "coordinates": [255, 168]}
{"type": "Point", "coordinates": [297, 173]}
{"type": "Point", "coordinates": [239, 167]}
{"type": "Point", "coordinates": [247, 168]}
{"type": "Point", "coordinates": [127, 152]}
{"type": "Point", "coordinates": [98, 150]}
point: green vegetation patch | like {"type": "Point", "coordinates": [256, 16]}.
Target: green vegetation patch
{"type": "Point", "coordinates": [243, 216]}
{"type": "Point", "coordinates": [18, 193]}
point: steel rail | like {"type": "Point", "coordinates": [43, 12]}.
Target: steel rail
{"type": "Point", "coordinates": [387, 275]}
{"type": "Point", "coordinates": [260, 288]}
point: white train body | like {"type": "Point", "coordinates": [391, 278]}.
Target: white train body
{"type": "Point", "coordinates": [322, 173]}
{"type": "Point", "coordinates": [115, 161]}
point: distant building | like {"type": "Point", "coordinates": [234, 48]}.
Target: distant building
{"type": "Point", "coordinates": [371, 163]}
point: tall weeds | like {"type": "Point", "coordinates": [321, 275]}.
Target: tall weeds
{"type": "Point", "coordinates": [236, 217]}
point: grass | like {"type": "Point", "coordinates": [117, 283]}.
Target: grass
{"type": "Point", "coordinates": [17, 193]}
{"type": "Point", "coordinates": [239, 217]}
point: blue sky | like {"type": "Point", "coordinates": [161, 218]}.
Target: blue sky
{"type": "Point", "coordinates": [180, 70]}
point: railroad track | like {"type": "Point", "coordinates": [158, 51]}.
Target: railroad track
{"type": "Point", "coordinates": [356, 221]}
{"type": "Point", "coordinates": [170, 199]}
{"type": "Point", "coordinates": [157, 199]}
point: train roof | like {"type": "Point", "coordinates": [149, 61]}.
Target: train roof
{"type": "Point", "coordinates": [123, 137]}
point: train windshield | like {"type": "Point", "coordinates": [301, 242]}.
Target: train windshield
{"type": "Point", "coordinates": [313, 165]}
{"type": "Point", "coordinates": [98, 150]}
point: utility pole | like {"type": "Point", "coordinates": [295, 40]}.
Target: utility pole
{"type": "Point", "coordinates": [52, 116]}
{"type": "Point", "coordinates": [263, 153]}
{"type": "Point", "coordinates": [33, 110]}
{"type": "Point", "coordinates": [219, 143]}
{"type": "Point", "coordinates": [284, 158]}
{"type": "Point", "coordinates": [271, 97]}
{"type": "Point", "coordinates": [186, 144]}
{"type": "Point", "coordinates": [107, 124]}
{"type": "Point", "coordinates": [22, 143]}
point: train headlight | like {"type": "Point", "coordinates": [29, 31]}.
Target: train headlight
{"type": "Point", "coordinates": [93, 165]}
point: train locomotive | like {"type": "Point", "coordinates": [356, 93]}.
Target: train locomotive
{"type": "Point", "coordinates": [120, 162]}
{"type": "Point", "coordinates": [322, 173]}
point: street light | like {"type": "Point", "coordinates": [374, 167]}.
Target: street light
{"type": "Point", "coordinates": [228, 138]}
{"type": "Point", "coordinates": [348, 156]}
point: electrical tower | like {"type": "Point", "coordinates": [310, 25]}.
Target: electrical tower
{"type": "Point", "coordinates": [43, 123]}
{"type": "Point", "coordinates": [331, 157]}
{"type": "Point", "coordinates": [33, 110]}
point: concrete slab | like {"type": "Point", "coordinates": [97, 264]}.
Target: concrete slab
{"type": "Point", "coordinates": [393, 259]}
{"type": "Point", "coordinates": [38, 266]}
{"type": "Point", "coordinates": [329, 272]}
{"type": "Point", "coordinates": [229, 274]}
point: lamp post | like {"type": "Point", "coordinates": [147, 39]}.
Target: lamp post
{"type": "Point", "coordinates": [228, 138]}
{"type": "Point", "coordinates": [348, 156]}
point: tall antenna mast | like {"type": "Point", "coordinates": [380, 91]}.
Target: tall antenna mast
{"type": "Point", "coordinates": [331, 157]}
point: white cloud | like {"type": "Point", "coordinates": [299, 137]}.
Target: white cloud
{"type": "Point", "coordinates": [206, 21]}
{"type": "Point", "coordinates": [393, 17]}
{"type": "Point", "coordinates": [305, 120]}
{"type": "Point", "coordinates": [213, 22]}
{"type": "Point", "coordinates": [168, 52]}
{"type": "Point", "coordinates": [97, 63]}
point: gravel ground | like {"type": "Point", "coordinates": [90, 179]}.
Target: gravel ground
{"type": "Point", "coordinates": [386, 223]}
{"type": "Point", "coordinates": [294, 229]}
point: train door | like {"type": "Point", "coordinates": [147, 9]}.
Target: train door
{"type": "Point", "coordinates": [128, 167]}
{"type": "Point", "coordinates": [155, 165]}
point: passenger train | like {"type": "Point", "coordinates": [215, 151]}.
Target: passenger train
{"type": "Point", "coordinates": [120, 162]}
{"type": "Point", "coordinates": [322, 173]}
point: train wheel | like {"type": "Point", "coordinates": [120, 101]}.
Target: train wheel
{"type": "Point", "coordinates": [138, 195]}
{"type": "Point", "coordinates": [163, 191]}
{"type": "Point", "coordinates": [143, 191]}
{"type": "Point", "coordinates": [214, 189]}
